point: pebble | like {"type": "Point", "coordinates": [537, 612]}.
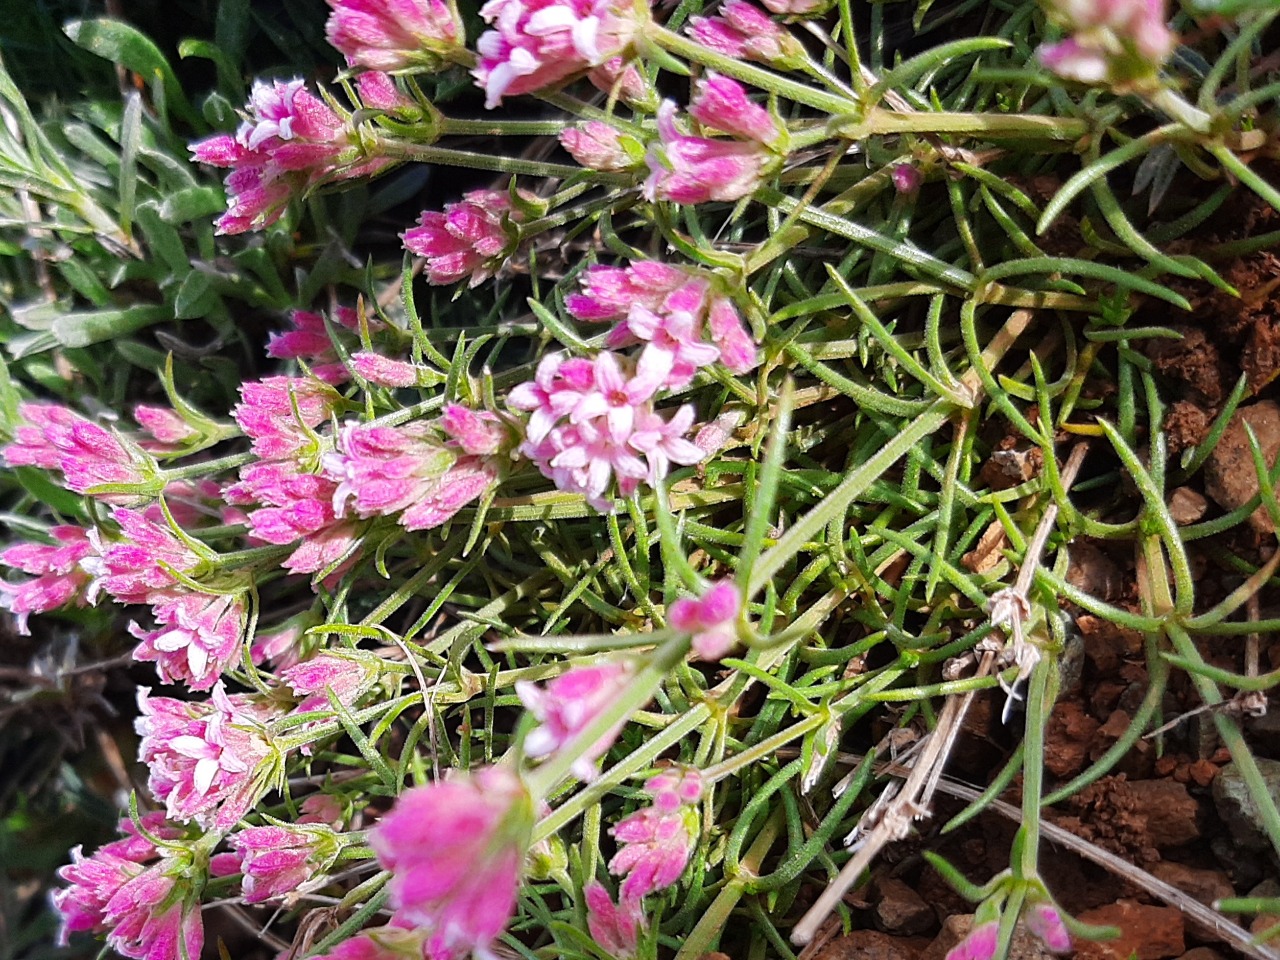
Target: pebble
{"type": "Point", "coordinates": [865, 945]}
{"type": "Point", "coordinates": [1170, 810]}
{"type": "Point", "coordinates": [1187, 505]}
{"type": "Point", "coordinates": [1204, 885]}
{"type": "Point", "coordinates": [1236, 806]}
{"type": "Point", "coordinates": [1230, 477]}
{"type": "Point", "coordinates": [1146, 932]}
{"type": "Point", "coordinates": [901, 910]}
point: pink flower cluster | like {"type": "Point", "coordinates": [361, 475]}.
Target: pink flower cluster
{"type": "Point", "coordinates": [289, 142]}
{"type": "Point", "coordinates": [209, 759]}
{"type": "Point", "coordinates": [425, 472]}
{"type": "Point", "coordinates": [657, 840]}
{"type": "Point", "coordinates": [535, 44]}
{"type": "Point", "coordinates": [709, 619]}
{"type": "Point", "coordinates": [395, 34]}
{"type": "Point", "coordinates": [138, 562]}
{"type": "Point", "coordinates": [55, 438]}
{"type": "Point", "coordinates": [135, 893]}
{"type": "Point", "coordinates": [469, 239]}
{"type": "Point", "coordinates": [690, 169]}
{"type": "Point", "coordinates": [277, 860]}
{"type": "Point", "coordinates": [745, 32]}
{"type": "Point", "coordinates": [292, 503]}
{"type": "Point", "coordinates": [568, 705]}
{"type": "Point", "coordinates": [58, 572]}
{"type": "Point", "coordinates": [1112, 40]}
{"type": "Point", "coordinates": [454, 849]}
{"type": "Point", "coordinates": [671, 311]}
{"type": "Point", "coordinates": [592, 422]}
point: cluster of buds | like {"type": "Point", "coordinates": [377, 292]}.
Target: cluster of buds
{"type": "Point", "coordinates": [657, 840]}
{"type": "Point", "coordinates": [391, 35]}
{"type": "Point", "coordinates": [689, 169]}
{"type": "Point", "coordinates": [1116, 42]}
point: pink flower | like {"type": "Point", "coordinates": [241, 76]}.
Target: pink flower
{"type": "Point", "coordinates": [723, 104]}
{"type": "Point", "coordinates": [657, 840]}
{"type": "Point", "coordinates": [386, 372]}
{"type": "Point", "coordinates": [662, 442]}
{"type": "Point", "coordinates": [537, 43]}
{"type": "Point", "coordinates": [907, 178]}
{"type": "Point", "coordinates": [467, 239]}
{"type": "Point", "coordinates": [139, 562]}
{"type": "Point", "coordinates": [454, 849]}
{"type": "Point", "coordinates": [279, 413]}
{"type": "Point", "coordinates": [980, 944]}
{"type": "Point", "coordinates": [55, 438]}
{"type": "Point", "coordinates": [289, 142]}
{"type": "Point", "coordinates": [1045, 922]}
{"type": "Point", "coordinates": [321, 808]}
{"type": "Point", "coordinates": [687, 169]}
{"type": "Point", "coordinates": [279, 860]}
{"type": "Point", "coordinates": [198, 638]}
{"type": "Point", "coordinates": [745, 32]}
{"type": "Point", "coordinates": [57, 568]}
{"type": "Point", "coordinates": [678, 337]}
{"type": "Point", "coordinates": [310, 679]}
{"type": "Point", "coordinates": [209, 760]}
{"type": "Point", "coordinates": [134, 893]}
{"type": "Point", "coordinates": [570, 704]}
{"type": "Point", "coordinates": [394, 34]}
{"type": "Point", "coordinates": [710, 619]}
{"type": "Point", "coordinates": [598, 146]}
{"type": "Point", "coordinates": [614, 927]}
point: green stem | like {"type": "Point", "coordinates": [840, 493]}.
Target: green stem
{"type": "Point", "coordinates": [207, 467]}
{"type": "Point", "coordinates": [451, 126]}
{"type": "Point", "coordinates": [1038, 707]}
{"type": "Point", "coordinates": [449, 157]}
{"type": "Point", "coordinates": [1171, 103]}
{"type": "Point", "coordinates": [990, 125]}
{"type": "Point", "coordinates": [748, 73]}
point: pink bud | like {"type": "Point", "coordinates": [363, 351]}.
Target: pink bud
{"type": "Point", "coordinates": [393, 34]}
{"type": "Point", "coordinates": [1045, 922]}
{"type": "Point", "coordinates": [476, 433]}
{"type": "Point", "coordinates": [907, 179]}
{"type": "Point", "coordinates": [689, 170]}
{"type": "Point", "coordinates": [598, 146]}
{"type": "Point", "coordinates": [615, 927]}
{"type": "Point", "coordinates": [723, 104]}
{"type": "Point", "coordinates": [980, 944]}
{"type": "Point", "coordinates": [384, 371]}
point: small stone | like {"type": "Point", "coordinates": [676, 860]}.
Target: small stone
{"type": "Point", "coordinates": [1204, 885]}
{"type": "Point", "coordinates": [1187, 505]}
{"type": "Point", "coordinates": [1067, 738]}
{"type": "Point", "coordinates": [1146, 932]}
{"type": "Point", "coordinates": [1202, 953]}
{"type": "Point", "coordinates": [1170, 810]}
{"type": "Point", "coordinates": [1262, 922]}
{"type": "Point", "coordinates": [902, 910]}
{"type": "Point", "coordinates": [865, 945]}
{"type": "Point", "coordinates": [1202, 772]}
{"type": "Point", "coordinates": [1091, 570]}
{"type": "Point", "coordinates": [1230, 476]}
{"type": "Point", "coordinates": [1237, 808]}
